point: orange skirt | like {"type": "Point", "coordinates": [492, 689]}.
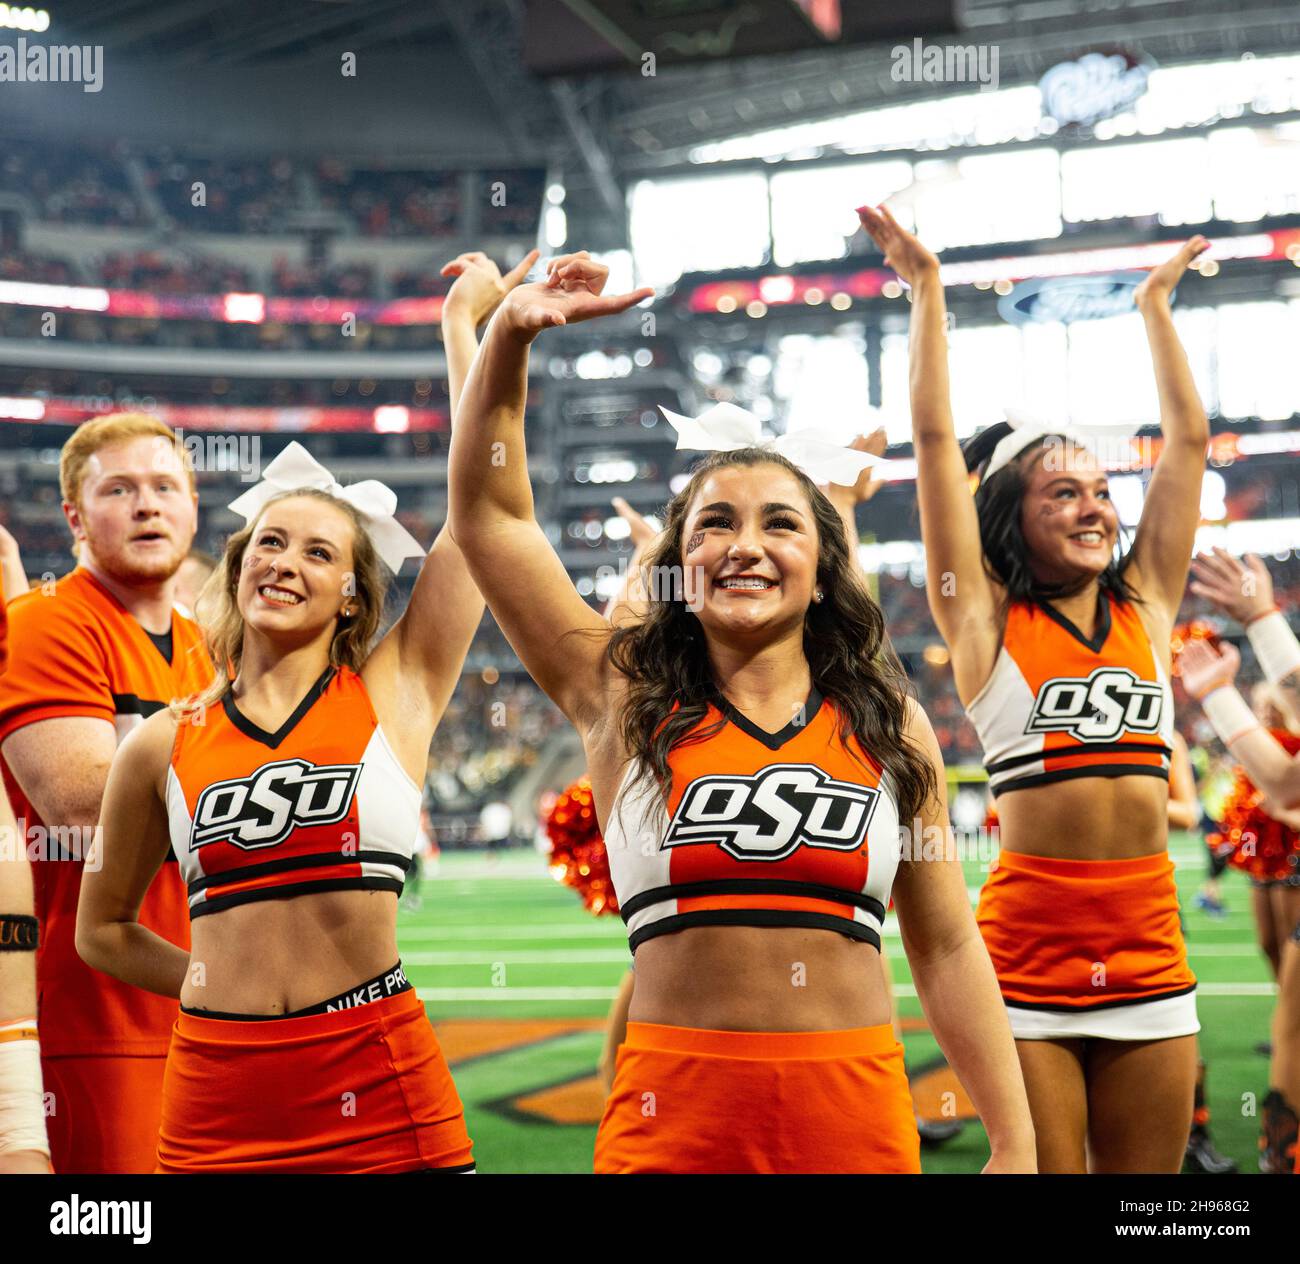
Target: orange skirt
{"type": "Point", "coordinates": [358, 1090]}
{"type": "Point", "coordinates": [686, 1100]}
{"type": "Point", "coordinates": [1088, 948]}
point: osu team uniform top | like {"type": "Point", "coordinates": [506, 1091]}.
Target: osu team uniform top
{"type": "Point", "coordinates": [793, 828]}
{"type": "Point", "coordinates": [78, 652]}
{"type": "Point", "coordinates": [322, 804]}
{"type": "Point", "coordinates": [1059, 706]}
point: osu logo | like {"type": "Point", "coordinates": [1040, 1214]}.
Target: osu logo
{"type": "Point", "coordinates": [264, 808]}
{"type": "Point", "coordinates": [1109, 702]}
{"type": "Point", "coordinates": [770, 814]}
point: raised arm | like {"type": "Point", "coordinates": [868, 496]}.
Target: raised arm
{"type": "Point", "coordinates": [1245, 593]}
{"type": "Point", "coordinates": [24, 1146]}
{"type": "Point", "coordinates": [1162, 548]}
{"type": "Point", "coordinates": [962, 599]}
{"type": "Point", "coordinates": [559, 638]}
{"type": "Point", "coordinates": [630, 603]}
{"type": "Point", "coordinates": [847, 499]}
{"type": "Point", "coordinates": [955, 981]}
{"type": "Point", "coordinates": [1209, 676]}
{"type": "Point", "coordinates": [13, 578]}
{"type": "Point", "coordinates": [429, 642]}
{"type": "Point", "coordinates": [477, 293]}
{"type": "Point", "coordinates": [131, 846]}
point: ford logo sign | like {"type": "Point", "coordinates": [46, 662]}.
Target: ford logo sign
{"type": "Point", "coordinates": [1067, 299]}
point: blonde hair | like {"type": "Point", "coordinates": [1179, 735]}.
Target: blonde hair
{"type": "Point", "coordinates": [217, 609]}
{"type": "Point", "coordinates": [91, 436]}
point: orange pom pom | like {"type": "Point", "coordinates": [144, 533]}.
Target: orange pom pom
{"type": "Point", "coordinates": [1260, 846]}
{"type": "Point", "coordinates": [578, 856]}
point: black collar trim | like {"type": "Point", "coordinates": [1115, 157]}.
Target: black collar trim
{"type": "Point", "coordinates": [1100, 632]}
{"type": "Point", "coordinates": [774, 741]}
{"type": "Point", "coordinates": [164, 643]}
{"type": "Point", "coordinates": [249, 729]}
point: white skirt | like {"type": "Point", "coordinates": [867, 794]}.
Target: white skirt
{"type": "Point", "coordinates": [1140, 1020]}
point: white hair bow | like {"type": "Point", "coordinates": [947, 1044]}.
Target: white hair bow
{"type": "Point", "coordinates": [1026, 430]}
{"type": "Point", "coordinates": [295, 469]}
{"type": "Point", "coordinates": [726, 427]}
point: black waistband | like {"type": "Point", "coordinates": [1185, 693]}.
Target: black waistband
{"type": "Point", "coordinates": [382, 986]}
{"type": "Point", "coordinates": [755, 917]}
{"type": "Point", "coordinates": [1077, 752]}
{"type": "Point", "coordinates": [751, 886]}
{"type": "Point", "coordinates": [1074, 774]}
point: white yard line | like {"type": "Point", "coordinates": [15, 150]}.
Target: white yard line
{"type": "Point", "coordinates": [516, 994]}
{"type": "Point", "coordinates": [509, 957]}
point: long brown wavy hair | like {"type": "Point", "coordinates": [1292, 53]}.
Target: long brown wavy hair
{"type": "Point", "coordinates": [217, 610]}
{"type": "Point", "coordinates": [665, 659]}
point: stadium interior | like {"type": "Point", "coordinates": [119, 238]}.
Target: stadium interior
{"type": "Point", "coordinates": [243, 234]}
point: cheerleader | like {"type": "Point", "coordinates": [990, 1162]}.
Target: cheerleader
{"type": "Point", "coordinates": [290, 790]}
{"type": "Point", "coordinates": [1245, 592]}
{"type": "Point", "coordinates": [1061, 659]}
{"type": "Point", "coordinates": [749, 745]}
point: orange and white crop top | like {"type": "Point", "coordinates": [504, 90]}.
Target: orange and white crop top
{"type": "Point", "coordinates": [1060, 706]}
{"type": "Point", "coordinates": [760, 829]}
{"type": "Point", "coordinates": [320, 805]}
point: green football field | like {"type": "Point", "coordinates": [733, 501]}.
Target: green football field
{"type": "Point", "coordinates": [517, 977]}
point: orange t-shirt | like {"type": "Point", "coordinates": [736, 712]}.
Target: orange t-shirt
{"type": "Point", "coordinates": [78, 652]}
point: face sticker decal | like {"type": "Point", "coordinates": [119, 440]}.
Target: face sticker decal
{"type": "Point", "coordinates": [694, 542]}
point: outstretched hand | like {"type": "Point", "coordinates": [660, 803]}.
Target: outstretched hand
{"type": "Point", "coordinates": [869, 482]}
{"type": "Point", "coordinates": [903, 251]}
{"type": "Point", "coordinates": [572, 291]}
{"type": "Point", "coordinates": [1160, 282]}
{"type": "Point", "coordinates": [643, 530]}
{"type": "Point", "coordinates": [1243, 592]}
{"type": "Point", "coordinates": [1204, 669]}
{"type": "Point", "coordinates": [479, 286]}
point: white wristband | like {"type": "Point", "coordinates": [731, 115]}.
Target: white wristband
{"type": "Point", "coordinates": [1275, 646]}
{"type": "Point", "coordinates": [22, 1098]}
{"type": "Point", "coordinates": [1226, 709]}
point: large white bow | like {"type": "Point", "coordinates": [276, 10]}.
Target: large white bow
{"type": "Point", "coordinates": [295, 469]}
{"type": "Point", "coordinates": [1026, 430]}
{"type": "Point", "coordinates": [726, 427]}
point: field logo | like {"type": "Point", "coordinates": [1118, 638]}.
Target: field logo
{"type": "Point", "coordinates": [1099, 708]}
{"type": "Point", "coordinates": [265, 808]}
{"type": "Point", "coordinates": [771, 814]}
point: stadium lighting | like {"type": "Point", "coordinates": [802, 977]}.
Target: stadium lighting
{"type": "Point", "coordinates": [557, 227]}
{"type": "Point", "coordinates": [248, 309]}
{"type": "Point", "coordinates": [392, 419]}
{"type": "Point", "coordinates": [776, 289]}
{"type": "Point", "coordinates": [22, 409]}
{"type": "Point", "coordinates": [24, 19]}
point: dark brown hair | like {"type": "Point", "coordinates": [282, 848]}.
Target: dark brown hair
{"type": "Point", "coordinates": [998, 503]}
{"type": "Point", "coordinates": [665, 659]}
